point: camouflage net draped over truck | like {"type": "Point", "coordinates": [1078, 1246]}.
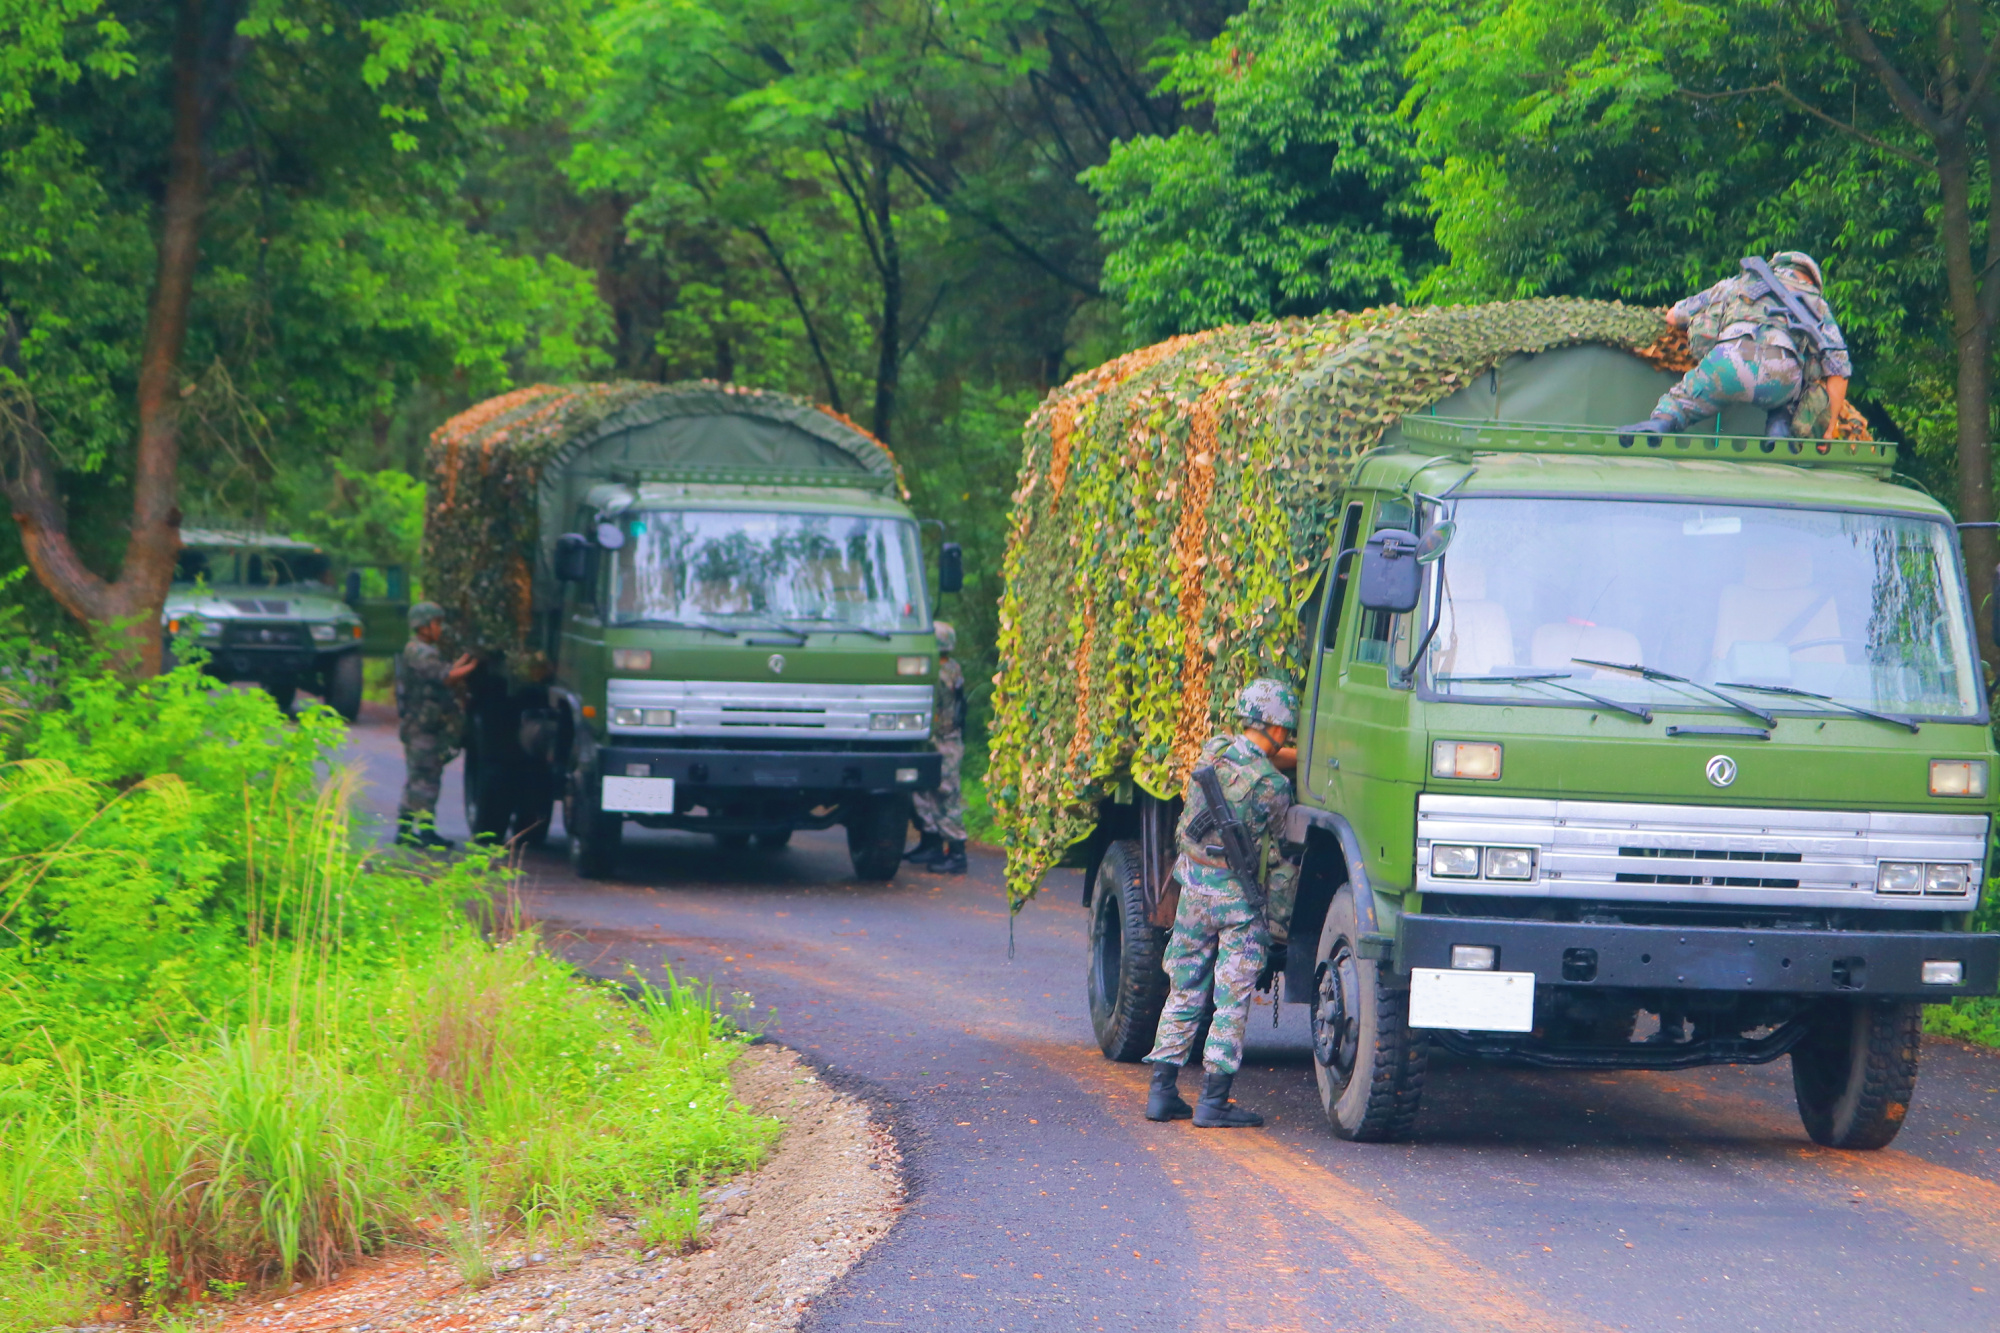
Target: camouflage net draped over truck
{"type": "Point", "coordinates": [485, 557]}
{"type": "Point", "coordinates": [1173, 510]}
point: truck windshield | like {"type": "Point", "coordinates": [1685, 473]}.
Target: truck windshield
{"type": "Point", "coordinates": [1865, 609]}
{"type": "Point", "coordinates": [742, 568]}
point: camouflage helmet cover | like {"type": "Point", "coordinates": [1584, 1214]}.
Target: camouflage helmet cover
{"type": "Point", "coordinates": [1801, 262]}
{"type": "Point", "coordinates": [947, 637]}
{"type": "Point", "coordinates": [1267, 702]}
{"type": "Point", "coordinates": [423, 613]}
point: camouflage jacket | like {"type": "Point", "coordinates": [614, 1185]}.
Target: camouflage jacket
{"type": "Point", "coordinates": [1261, 795]}
{"type": "Point", "coordinates": [948, 705]}
{"type": "Point", "coordinates": [424, 700]}
{"type": "Point", "coordinates": [1726, 312]}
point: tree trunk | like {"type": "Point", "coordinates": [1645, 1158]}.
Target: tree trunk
{"type": "Point", "coordinates": [889, 354]}
{"type": "Point", "coordinates": [125, 615]}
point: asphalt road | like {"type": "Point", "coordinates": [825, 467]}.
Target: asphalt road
{"type": "Point", "coordinates": [1042, 1199]}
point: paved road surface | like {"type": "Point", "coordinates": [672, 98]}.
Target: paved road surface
{"type": "Point", "coordinates": [1042, 1199]}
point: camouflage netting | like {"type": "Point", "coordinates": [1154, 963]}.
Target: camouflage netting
{"type": "Point", "coordinates": [1173, 509]}
{"type": "Point", "coordinates": [484, 561]}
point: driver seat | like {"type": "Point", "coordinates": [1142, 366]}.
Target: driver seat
{"type": "Point", "coordinates": [1777, 605]}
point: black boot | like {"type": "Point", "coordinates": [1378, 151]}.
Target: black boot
{"type": "Point", "coordinates": [405, 831]}
{"type": "Point", "coordinates": [926, 850]}
{"type": "Point", "coordinates": [1216, 1111]}
{"type": "Point", "coordinates": [1778, 424]}
{"type": "Point", "coordinates": [1656, 424]}
{"type": "Point", "coordinates": [420, 831]}
{"type": "Point", "coordinates": [950, 860]}
{"type": "Point", "coordinates": [1165, 1102]}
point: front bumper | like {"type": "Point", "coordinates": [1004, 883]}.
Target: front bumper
{"type": "Point", "coordinates": [832, 773]}
{"type": "Point", "coordinates": [1883, 963]}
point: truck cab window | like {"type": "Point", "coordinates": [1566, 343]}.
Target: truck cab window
{"type": "Point", "coordinates": [1350, 532]}
{"type": "Point", "coordinates": [1378, 628]}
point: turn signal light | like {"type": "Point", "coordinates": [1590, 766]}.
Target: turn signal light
{"type": "Point", "coordinates": [1958, 777]}
{"type": "Point", "coordinates": [1465, 759]}
{"type": "Point", "coordinates": [913, 666]}
{"type": "Point", "coordinates": [632, 659]}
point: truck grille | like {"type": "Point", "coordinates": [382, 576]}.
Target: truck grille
{"type": "Point", "coordinates": [1613, 851]}
{"type": "Point", "coordinates": [750, 710]}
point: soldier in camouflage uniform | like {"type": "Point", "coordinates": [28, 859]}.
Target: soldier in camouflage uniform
{"type": "Point", "coordinates": [1228, 936]}
{"type": "Point", "coordinates": [433, 721]}
{"type": "Point", "coordinates": [1750, 354]}
{"type": "Point", "coordinates": [941, 813]}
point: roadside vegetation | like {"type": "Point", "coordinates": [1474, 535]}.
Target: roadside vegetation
{"type": "Point", "coordinates": [237, 1049]}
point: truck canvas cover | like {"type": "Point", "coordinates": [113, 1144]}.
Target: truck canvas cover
{"type": "Point", "coordinates": [1173, 513]}
{"type": "Point", "coordinates": [508, 475]}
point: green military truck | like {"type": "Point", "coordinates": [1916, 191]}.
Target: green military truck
{"type": "Point", "coordinates": [1616, 752]}
{"type": "Point", "coordinates": [265, 609]}
{"type": "Point", "coordinates": [697, 607]}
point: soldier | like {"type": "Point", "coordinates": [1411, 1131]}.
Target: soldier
{"type": "Point", "coordinates": [432, 723]}
{"type": "Point", "coordinates": [1228, 935]}
{"type": "Point", "coordinates": [1755, 348]}
{"type": "Point", "coordinates": [941, 813]}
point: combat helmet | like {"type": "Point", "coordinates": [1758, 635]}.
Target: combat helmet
{"type": "Point", "coordinates": [1266, 702]}
{"type": "Point", "coordinates": [1801, 262]}
{"type": "Point", "coordinates": [947, 637]}
{"type": "Point", "coordinates": [423, 613]}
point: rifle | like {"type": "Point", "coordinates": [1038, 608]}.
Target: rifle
{"type": "Point", "coordinates": [1233, 840]}
{"type": "Point", "coordinates": [1798, 318]}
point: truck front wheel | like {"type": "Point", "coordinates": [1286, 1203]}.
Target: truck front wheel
{"type": "Point", "coordinates": [1856, 1070]}
{"type": "Point", "coordinates": [875, 836]}
{"type": "Point", "coordinates": [1126, 984]}
{"type": "Point", "coordinates": [594, 836]}
{"type": "Point", "coordinates": [1367, 1059]}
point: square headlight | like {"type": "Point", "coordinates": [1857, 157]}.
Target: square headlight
{"type": "Point", "coordinates": [628, 717]}
{"type": "Point", "coordinates": [657, 717]}
{"type": "Point", "coordinates": [913, 666]}
{"type": "Point", "coordinates": [1465, 759]}
{"type": "Point", "coordinates": [632, 659]}
{"type": "Point", "coordinates": [899, 721]}
{"type": "Point", "coordinates": [1958, 777]}
{"type": "Point", "coordinates": [1510, 863]}
{"type": "Point", "coordinates": [1453, 861]}
{"type": "Point", "coordinates": [323, 633]}
{"type": "Point", "coordinates": [1948, 880]}
{"type": "Point", "coordinates": [1900, 877]}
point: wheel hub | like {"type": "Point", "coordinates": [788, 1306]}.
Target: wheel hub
{"type": "Point", "coordinates": [1336, 1031]}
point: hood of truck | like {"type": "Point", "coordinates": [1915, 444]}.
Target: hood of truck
{"type": "Point", "coordinates": [824, 658]}
{"type": "Point", "coordinates": [227, 603]}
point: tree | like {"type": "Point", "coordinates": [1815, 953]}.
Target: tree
{"type": "Point", "coordinates": [238, 232]}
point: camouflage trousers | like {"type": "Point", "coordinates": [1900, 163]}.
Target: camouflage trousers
{"type": "Point", "coordinates": [1744, 370]}
{"type": "Point", "coordinates": [1218, 944]}
{"type": "Point", "coordinates": [425, 753]}
{"type": "Point", "coordinates": [943, 811]}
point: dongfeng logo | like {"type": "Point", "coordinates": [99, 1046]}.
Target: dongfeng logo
{"type": "Point", "coordinates": [777, 664]}
{"type": "Point", "coordinates": [1721, 770]}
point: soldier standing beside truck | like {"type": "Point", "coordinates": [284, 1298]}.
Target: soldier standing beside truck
{"type": "Point", "coordinates": [941, 813]}
{"type": "Point", "coordinates": [1230, 927]}
{"type": "Point", "coordinates": [433, 721]}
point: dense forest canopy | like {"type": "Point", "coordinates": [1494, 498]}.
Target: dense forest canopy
{"type": "Point", "coordinates": [267, 245]}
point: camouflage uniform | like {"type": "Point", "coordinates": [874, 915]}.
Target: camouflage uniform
{"type": "Point", "coordinates": [432, 724]}
{"type": "Point", "coordinates": [1748, 354]}
{"type": "Point", "coordinates": [1220, 936]}
{"type": "Point", "coordinates": [942, 812]}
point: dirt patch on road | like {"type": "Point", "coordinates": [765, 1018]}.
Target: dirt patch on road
{"type": "Point", "coordinates": [772, 1241]}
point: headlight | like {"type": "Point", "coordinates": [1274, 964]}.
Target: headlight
{"type": "Point", "coordinates": [1474, 957]}
{"type": "Point", "coordinates": [913, 666]}
{"type": "Point", "coordinates": [1465, 759]}
{"type": "Point", "coordinates": [1958, 777]}
{"type": "Point", "coordinates": [1949, 881]}
{"type": "Point", "coordinates": [209, 629]}
{"type": "Point", "coordinates": [1510, 863]}
{"type": "Point", "coordinates": [323, 633]}
{"type": "Point", "coordinates": [1450, 861]}
{"type": "Point", "coordinates": [642, 717]}
{"type": "Point", "coordinates": [632, 659]}
{"type": "Point", "coordinates": [1900, 877]}
{"type": "Point", "coordinates": [1942, 972]}
{"type": "Point", "coordinates": [905, 775]}
{"type": "Point", "coordinates": [899, 722]}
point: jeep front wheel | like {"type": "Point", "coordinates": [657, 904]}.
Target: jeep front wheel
{"type": "Point", "coordinates": [1368, 1061]}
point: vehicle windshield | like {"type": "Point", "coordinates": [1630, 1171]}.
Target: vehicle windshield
{"type": "Point", "coordinates": [742, 568]}
{"type": "Point", "coordinates": [1866, 609]}
{"type": "Point", "coordinates": [257, 568]}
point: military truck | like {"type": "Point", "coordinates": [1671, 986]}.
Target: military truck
{"type": "Point", "coordinates": [1617, 752]}
{"type": "Point", "coordinates": [697, 607]}
{"type": "Point", "coordinates": [265, 609]}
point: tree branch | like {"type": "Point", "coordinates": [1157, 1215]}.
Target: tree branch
{"type": "Point", "coordinates": [805, 315]}
{"type": "Point", "coordinates": [1862, 43]}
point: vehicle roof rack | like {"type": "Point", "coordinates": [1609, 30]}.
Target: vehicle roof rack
{"type": "Point", "coordinates": [1488, 436]}
{"type": "Point", "coordinates": [831, 478]}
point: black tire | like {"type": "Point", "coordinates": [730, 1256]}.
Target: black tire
{"type": "Point", "coordinates": [343, 685]}
{"type": "Point", "coordinates": [875, 837]}
{"type": "Point", "coordinates": [731, 842]}
{"type": "Point", "coordinates": [1126, 985]}
{"type": "Point", "coordinates": [1856, 1071]}
{"type": "Point", "coordinates": [594, 836]}
{"type": "Point", "coordinates": [489, 791]}
{"type": "Point", "coordinates": [282, 695]}
{"type": "Point", "coordinates": [774, 839]}
{"type": "Point", "coordinates": [534, 805]}
{"type": "Point", "coordinates": [1368, 1061]}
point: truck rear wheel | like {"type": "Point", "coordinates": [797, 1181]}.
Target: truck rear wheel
{"type": "Point", "coordinates": [489, 789]}
{"type": "Point", "coordinates": [875, 837]}
{"type": "Point", "coordinates": [343, 685]}
{"type": "Point", "coordinates": [1856, 1070]}
{"type": "Point", "coordinates": [1367, 1059]}
{"type": "Point", "coordinates": [594, 836]}
{"type": "Point", "coordinates": [1125, 981]}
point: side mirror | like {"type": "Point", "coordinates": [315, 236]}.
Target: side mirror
{"type": "Point", "coordinates": [1390, 575]}
{"type": "Point", "coordinates": [951, 568]}
{"type": "Point", "coordinates": [572, 557]}
{"type": "Point", "coordinates": [354, 587]}
{"type": "Point", "coordinates": [1433, 543]}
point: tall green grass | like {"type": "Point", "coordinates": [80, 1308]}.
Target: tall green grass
{"type": "Point", "coordinates": [237, 1047]}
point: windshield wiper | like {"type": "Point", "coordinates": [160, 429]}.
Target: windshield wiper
{"type": "Point", "coordinates": [1654, 673]}
{"type": "Point", "coordinates": [842, 627]}
{"type": "Point", "coordinates": [1855, 709]}
{"type": "Point", "coordinates": [1550, 678]}
{"type": "Point", "coordinates": [701, 625]}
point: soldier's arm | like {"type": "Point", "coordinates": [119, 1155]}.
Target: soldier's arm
{"type": "Point", "coordinates": [1687, 309]}
{"type": "Point", "coordinates": [426, 663]}
{"type": "Point", "coordinates": [1835, 364]}
{"type": "Point", "coordinates": [1281, 884]}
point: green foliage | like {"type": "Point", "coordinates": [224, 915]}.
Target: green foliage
{"type": "Point", "coordinates": [1301, 197]}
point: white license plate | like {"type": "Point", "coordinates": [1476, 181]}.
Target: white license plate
{"type": "Point", "coordinates": [1445, 997]}
{"type": "Point", "coordinates": [642, 796]}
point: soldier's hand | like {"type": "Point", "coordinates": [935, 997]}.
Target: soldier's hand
{"type": "Point", "coordinates": [1286, 758]}
{"type": "Point", "coordinates": [462, 668]}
